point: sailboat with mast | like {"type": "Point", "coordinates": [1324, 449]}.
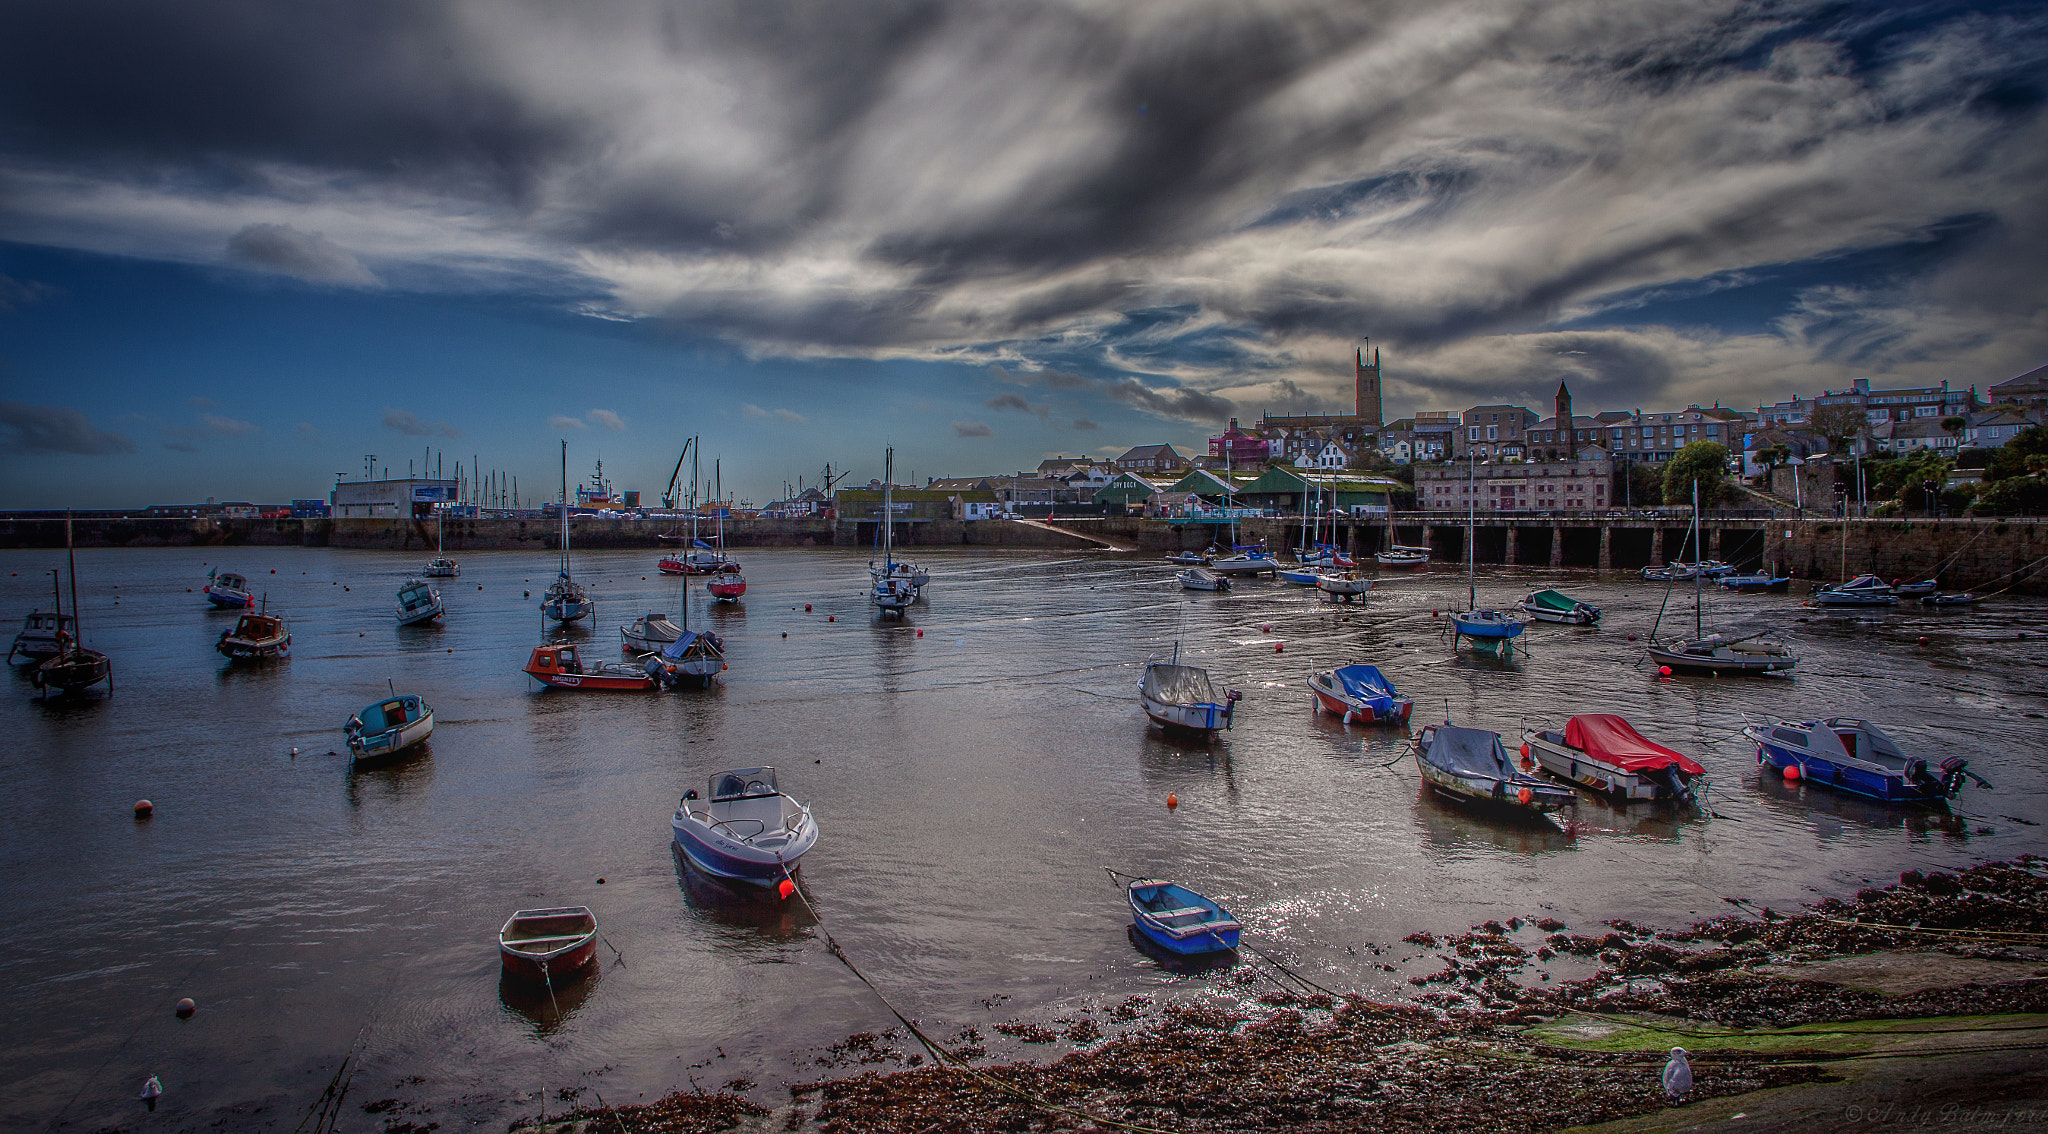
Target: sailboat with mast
{"type": "Point", "coordinates": [440, 566]}
{"type": "Point", "coordinates": [692, 658]}
{"type": "Point", "coordinates": [894, 590]}
{"type": "Point", "coordinates": [72, 668]}
{"type": "Point", "coordinates": [727, 584]}
{"type": "Point", "coordinates": [566, 600]}
{"type": "Point", "coordinates": [1490, 630]}
{"type": "Point", "coordinates": [1762, 652]}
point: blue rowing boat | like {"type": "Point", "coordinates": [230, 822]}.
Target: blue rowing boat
{"type": "Point", "coordinates": [1179, 920]}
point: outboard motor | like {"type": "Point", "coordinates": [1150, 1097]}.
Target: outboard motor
{"type": "Point", "coordinates": [1953, 770]}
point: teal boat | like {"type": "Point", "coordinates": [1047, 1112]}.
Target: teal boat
{"type": "Point", "coordinates": [389, 727]}
{"type": "Point", "coordinates": [1556, 606]}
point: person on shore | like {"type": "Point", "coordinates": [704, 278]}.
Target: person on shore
{"type": "Point", "coordinates": [1677, 1077]}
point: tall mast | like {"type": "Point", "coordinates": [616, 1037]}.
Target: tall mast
{"type": "Point", "coordinates": [696, 465]}
{"type": "Point", "coordinates": [888, 509]}
{"type": "Point", "coordinates": [1471, 552]}
{"type": "Point", "coordinates": [565, 508]}
{"type": "Point", "coordinates": [71, 553]}
{"type": "Point", "coordinates": [1698, 618]}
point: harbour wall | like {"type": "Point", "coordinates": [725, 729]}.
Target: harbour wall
{"type": "Point", "coordinates": [1970, 553]}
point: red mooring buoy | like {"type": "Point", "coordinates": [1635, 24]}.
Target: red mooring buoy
{"type": "Point", "coordinates": [144, 809]}
{"type": "Point", "coordinates": [185, 1008]}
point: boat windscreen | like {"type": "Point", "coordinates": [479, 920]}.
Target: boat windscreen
{"type": "Point", "coordinates": [1179, 685]}
{"type": "Point", "coordinates": [743, 783]}
{"type": "Point", "coordinates": [1468, 750]}
{"type": "Point", "coordinates": [1364, 681]}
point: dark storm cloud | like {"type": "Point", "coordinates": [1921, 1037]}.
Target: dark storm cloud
{"type": "Point", "coordinates": [949, 179]}
{"type": "Point", "coordinates": [56, 429]}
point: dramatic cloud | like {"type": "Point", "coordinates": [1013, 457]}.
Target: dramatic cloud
{"type": "Point", "coordinates": [225, 426]}
{"type": "Point", "coordinates": [972, 429]}
{"type": "Point", "coordinates": [412, 425]}
{"type": "Point", "coordinates": [564, 421]}
{"type": "Point", "coordinates": [607, 419]}
{"type": "Point", "coordinates": [1203, 206]}
{"type": "Point", "coordinates": [306, 255]}
{"type": "Point", "coordinates": [56, 429]}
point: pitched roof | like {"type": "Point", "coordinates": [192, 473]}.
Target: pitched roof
{"type": "Point", "coordinates": [2034, 381]}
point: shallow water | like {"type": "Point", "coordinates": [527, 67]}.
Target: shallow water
{"type": "Point", "coordinates": [971, 785]}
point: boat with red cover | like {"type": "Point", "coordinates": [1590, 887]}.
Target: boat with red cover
{"type": "Point", "coordinates": [1604, 753]}
{"type": "Point", "coordinates": [728, 585]}
{"type": "Point", "coordinates": [548, 946]}
{"type": "Point", "coordinates": [561, 667]}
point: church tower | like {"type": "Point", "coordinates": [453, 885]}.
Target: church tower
{"type": "Point", "coordinates": [1369, 389]}
{"type": "Point", "coordinates": [1565, 425]}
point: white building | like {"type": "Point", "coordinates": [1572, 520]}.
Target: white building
{"type": "Point", "coordinates": [389, 499]}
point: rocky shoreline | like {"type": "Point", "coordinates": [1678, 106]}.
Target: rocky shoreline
{"type": "Point", "coordinates": [1934, 970]}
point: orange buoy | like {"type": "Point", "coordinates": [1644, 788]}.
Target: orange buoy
{"type": "Point", "coordinates": [1524, 796]}
{"type": "Point", "coordinates": [1792, 771]}
{"type": "Point", "coordinates": [785, 888]}
{"type": "Point", "coordinates": [144, 809]}
{"type": "Point", "coordinates": [185, 1008]}
{"type": "Point", "coordinates": [1172, 801]}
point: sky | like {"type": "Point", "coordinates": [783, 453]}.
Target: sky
{"type": "Point", "coordinates": [245, 245]}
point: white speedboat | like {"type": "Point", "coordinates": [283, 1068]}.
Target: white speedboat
{"type": "Point", "coordinates": [1345, 585]}
{"type": "Point", "coordinates": [650, 632]}
{"type": "Point", "coordinates": [1180, 697]}
{"type": "Point", "coordinates": [743, 829]}
{"type": "Point", "coordinates": [1202, 579]}
{"type": "Point", "coordinates": [418, 602]}
{"type": "Point", "coordinates": [1401, 559]}
{"type": "Point", "coordinates": [1604, 753]}
{"type": "Point", "coordinates": [1245, 563]}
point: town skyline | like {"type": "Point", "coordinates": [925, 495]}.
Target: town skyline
{"type": "Point", "coordinates": [985, 238]}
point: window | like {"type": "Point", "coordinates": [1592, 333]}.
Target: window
{"type": "Point", "coordinates": [1493, 432]}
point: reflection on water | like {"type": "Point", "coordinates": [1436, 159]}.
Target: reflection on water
{"type": "Point", "coordinates": [545, 1007]}
{"type": "Point", "coordinates": [1181, 964]}
{"type": "Point", "coordinates": [971, 785]}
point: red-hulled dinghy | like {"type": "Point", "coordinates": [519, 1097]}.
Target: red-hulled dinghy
{"type": "Point", "coordinates": [548, 946]}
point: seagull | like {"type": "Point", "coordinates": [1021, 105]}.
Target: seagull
{"type": "Point", "coordinates": [1677, 1075]}
{"type": "Point", "coordinates": [151, 1091]}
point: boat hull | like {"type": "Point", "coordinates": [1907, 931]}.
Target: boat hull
{"type": "Point", "coordinates": [255, 649]}
{"type": "Point", "coordinates": [1396, 561]}
{"type": "Point", "coordinates": [555, 959]}
{"type": "Point", "coordinates": [1215, 931]}
{"type": "Point", "coordinates": [1206, 718]}
{"type": "Point", "coordinates": [1485, 628]}
{"type": "Point", "coordinates": [593, 682]}
{"type": "Point", "coordinates": [1355, 711]}
{"type": "Point", "coordinates": [1849, 779]}
{"type": "Point", "coordinates": [1721, 661]}
{"type": "Point", "coordinates": [567, 610]}
{"type": "Point", "coordinates": [1298, 578]}
{"type": "Point", "coordinates": [729, 860]}
{"type": "Point", "coordinates": [726, 592]}
{"type": "Point", "coordinates": [74, 672]}
{"type": "Point", "coordinates": [1490, 793]}
{"type": "Point", "coordinates": [1595, 775]}
{"type": "Point", "coordinates": [230, 600]}
{"type": "Point", "coordinates": [391, 743]}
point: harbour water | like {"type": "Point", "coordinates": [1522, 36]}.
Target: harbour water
{"type": "Point", "coordinates": [973, 769]}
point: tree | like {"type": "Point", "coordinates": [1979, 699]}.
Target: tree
{"type": "Point", "coordinates": [1838, 424]}
{"type": "Point", "coordinates": [1953, 424]}
{"type": "Point", "coordinates": [1770, 457]}
{"type": "Point", "coordinates": [1701, 462]}
{"type": "Point", "coordinates": [2024, 454]}
{"type": "Point", "coordinates": [1636, 485]}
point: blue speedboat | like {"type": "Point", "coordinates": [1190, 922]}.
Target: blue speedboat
{"type": "Point", "coordinates": [1359, 693]}
{"type": "Point", "coordinates": [389, 727]}
{"type": "Point", "coordinates": [1855, 756]}
{"type": "Point", "coordinates": [1179, 920]}
{"type": "Point", "coordinates": [745, 829]}
{"type": "Point", "coordinates": [1300, 576]}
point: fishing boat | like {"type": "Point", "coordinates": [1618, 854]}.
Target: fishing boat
{"type": "Point", "coordinates": [1957, 598]}
{"type": "Point", "coordinates": [1715, 654]}
{"type": "Point", "coordinates": [1401, 558]}
{"type": "Point", "coordinates": [693, 659]}
{"type": "Point", "coordinates": [440, 566]}
{"type": "Point", "coordinates": [1359, 693]}
{"type": "Point", "coordinates": [650, 632]}
{"type": "Point", "coordinates": [548, 947]}
{"type": "Point", "coordinates": [1202, 579]}
{"type": "Point", "coordinates": [418, 602]}
{"type": "Point", "coordinates": [72, 668]}
{"type": "Point", "coordinates": [1343, 584]}
{"type": "Point", "coordinates": [1188, 558]}
{"type": "Point", "coordinates": [384, 729]}
{"type": "Point", "coordinates": [1179, 920]}
{"type": "Point", "coordinates": [257, 637]}
{"type": "Point", "coordinates": [228, 591]}
{"type": "Point", "coordinates": [1469, 766]}
{"type": "Point", "coordinates": [1762, 582]}
{"type": "Point", "coordinates": [1245, 559]}
{"type": "Point", "coordinates": [744, 829]}
{"type": "Point", "coordinates": [561, 667]}
{"type": "Point", "coordinates": [1556, 606]}
{"type": "Point", "coordinates": [41, 635]}
{"type": "Point", "coordinates": [894, 585]}
{"type": "Point", "coordinates": [1604, 753]}
{"type": "Point", "coordinates": [1855, 756]}
{"type": "Point", "coordinates": [1299, 576]}
{"type": "Point", "coordinates": [728, 585]}
{"type": "Point", "coordinates": [566, 600]}
{"type": "Point", "coordinates": [1180, 697]}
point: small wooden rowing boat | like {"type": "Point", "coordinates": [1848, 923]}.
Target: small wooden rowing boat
{"type": "Point", "coordinates": [548, 946]}
{"type": "Point", "coordinates": [1179, 920]}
